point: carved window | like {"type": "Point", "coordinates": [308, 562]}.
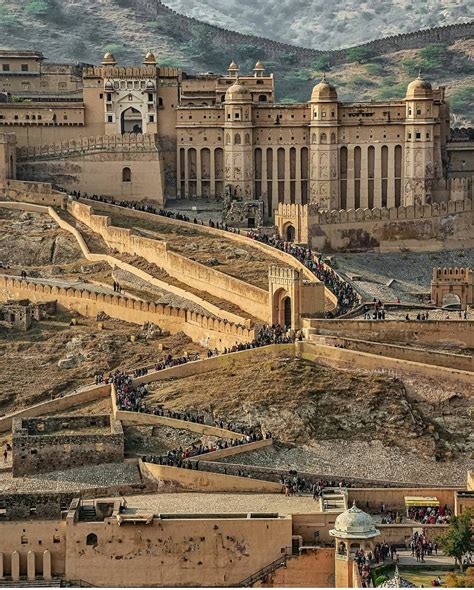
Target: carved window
{"type": "Point", "coordinates": [91, 539]}
{"type": "Point", "coordinates": [323, 138]}
{"type": "Point", "coordinates": [238, 139]}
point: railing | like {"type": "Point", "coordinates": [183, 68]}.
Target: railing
{"type": "Point", "coordinates": [268, 569]}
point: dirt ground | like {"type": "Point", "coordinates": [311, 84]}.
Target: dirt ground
{"type": "Point", "coordinates": [238, 260]}
{"type": "Point", "coordinates": [29, 360]}
{"type": "Point", "coordinates": [331, 420]}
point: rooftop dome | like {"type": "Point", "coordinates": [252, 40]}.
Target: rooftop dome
{"type": "Point", "coordinates": [233, 66]}
{"type": "Point", "coordinates": [150, 59]}
{"type": "Point", "coordinates": [354, 524]}
{"type": "Point", "coordinates": [397, 582]}
{"type": "Point", "coordinates": [324, 92]}
{"type": "Point", "coordinates": [109, 85]}
{"type": "Point", "coordinates": [109, 59]}
{"type": "Point", "coordinates": [150, 85]}
{"type": "Point", "coordinates": [419, 88]}
{"type": "Point", "coordinates": [259, 66]}
{"type": "Point", "coordinates": [238, 92]}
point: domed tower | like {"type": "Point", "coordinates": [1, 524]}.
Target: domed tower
{"type": "Point", "coordinates": [324, 149]}
{"type": "Point", "coordinates": [354, 529]}
{"type": "Point", "coordinates": [259, 69]}
{"type": "Point", "coordinates": [109, 59]}
{"type": "Point", "coordinates": [238, 141]}
{"type": "Point", "coordinates": [150, 59]}
{"type": "Point", "coordinates": [420, 158]}
{"type": "Point", "coordinates": [233, 70]}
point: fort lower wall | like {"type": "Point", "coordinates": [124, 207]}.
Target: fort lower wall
{"type": "Point", "coordinates": [194, 274]}
{"type": "Point", "coordinates": [218, 333]}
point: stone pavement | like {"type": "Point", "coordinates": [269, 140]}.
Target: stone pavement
{"type": "Point", "coordinates": [405, 558]}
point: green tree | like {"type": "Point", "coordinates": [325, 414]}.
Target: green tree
{"type": "Point", "coordinates": [432, 56]}
{"type": "Point", "coordinates": [37, 7]}
{"type": "Point", "coordinates": [321, 64]}
{"type": "Point", "coordinates": [359, 54]}
{"type": "Point", "coordinates": [457, 541]}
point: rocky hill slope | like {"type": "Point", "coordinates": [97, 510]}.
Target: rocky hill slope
{"type": "Point", "coordinates": [83, 31]}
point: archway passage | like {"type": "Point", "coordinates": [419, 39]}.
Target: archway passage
{"type": "Point", "coordinates": [287, 312]}
{"type": "Point", "coordinates": [451, 301]}
{"type": "Point", "coordinates": [290, 234]}
{"type": "Point", "coordinates": [131, 121]}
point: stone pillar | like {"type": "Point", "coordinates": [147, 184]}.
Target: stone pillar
{"type": "Point", "coordinates": [287, 197]}
{"type": "Point", "coordinates": [378, 176]}
{"type": "Point", "coordinates": [30, 566]}
{"type": "Point", "coordinates": [186, 174]}
{"type": "Point", "coordinates": [364, 177]}
{"type": "Point", "coordinates": [1, 566]}
{"type": "Point", "coordinates": [298, 197]}
{"type": "Point", "coordinates": [198, 173]}
{"type": "Point", "coordinates": [275, 179]}
{"type": "Point", "coordinates": [212, 172]}
{"type": "Point", "coordinates": [47, 565]}
{"type": "Point", "coordinates": [15, 566]}
{"type": "Point", "coordinates": [391, 176]}
{"type": "Point", "coordinates": [350, 178]}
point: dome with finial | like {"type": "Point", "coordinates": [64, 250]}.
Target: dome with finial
{"type": "Point", "coordinates": [109, 59]}
{"type": "Point", "coordinates": [419, 88]}
{"type": "Point", "coordinates": [109, 85]}
{"type": "Point", "coordinates": [259, 66]}
{"type": "Point", "coordinates": [397, 581]}
{"type": "Point", "coordinates": [150, 59]}
{"type": "Point", "coordinates": [238, 92]}
{"type": "Point", "coordinates": [324, 91]}
{"type": "Point", "coordinates": [354, 524]}
{"type": "Point", "coordinates": [233, 66]}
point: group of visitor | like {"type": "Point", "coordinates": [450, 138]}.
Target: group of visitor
{"type": "Point", "coordinates": [347, 297]}
{"type": "Point", "coordinates": [420, 546]}
{"type": "Point", "coordinates": [391, 517]}
{"type": "Point", "coordinates": [377, 313]}
{"type": "Point", "coordinates": [431, 514]}
{"type": "Point", "coordinates": [182, 457]}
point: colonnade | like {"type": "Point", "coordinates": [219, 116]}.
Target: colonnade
{"type": "Point", "coordinates": [15, 565]}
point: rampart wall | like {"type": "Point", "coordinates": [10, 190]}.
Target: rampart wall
{"type": "Point", "coordinates": [193, 273]}
{"type": "Point", "coordinates": [457, 332]}
{"type": "Point", "coordinates": [419, 355]}
{"type": "Point", "coordinates": [229, 39]}
{"type": "Point", "coordinates": [362, 361]}
{"type": "Point", "coordinates": [205, 481]}
{"type": "Point", "coordinates": [217, 332]}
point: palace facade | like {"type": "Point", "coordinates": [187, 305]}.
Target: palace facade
{"type": "Point", "coordinates": [156, 133]}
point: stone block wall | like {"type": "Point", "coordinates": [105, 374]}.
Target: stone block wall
{"type": "Point", "coordinates": [64, 442]}
{"type": "Point", "coordinates": [34, 506]}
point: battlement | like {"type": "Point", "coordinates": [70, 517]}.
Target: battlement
{"type": "Point", "coordinates": [132, 142]}
{"type": "Point", "coordinates": [452, 274]}
{"type": "Point", "coordinates": [393, 213]}
{"type": "Point", "coordinates": [280, 272]}
{"type": "Point", "coordinates": [120, 72]}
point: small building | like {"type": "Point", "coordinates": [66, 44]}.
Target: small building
{"type": "Point", "coordinates": [20, 314]}
{"type": "Point", "coordinates": [63, 442]}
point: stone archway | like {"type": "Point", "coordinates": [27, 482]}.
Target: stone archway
{"type": "Point", "coordinates": [282, 308]}
{"type": "Point", "coordinates": [131, 121]}
{"type": "Point", "coordinates": [287, 319]}
{"type": "Point", "coordinates": [451, 300]}
{"type": "Point", "coordinates": [290, 233]}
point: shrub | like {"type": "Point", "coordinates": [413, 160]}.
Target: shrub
{"type": "Point", "coordinates": [37, 7]}
{"type": "Point", "coordinates": [359, 54]}
{"type": "Point", "coordinates": [321, 64]}
{"type": "Point", "coordinates": [6, 18]}
{"type": "Point", "coordinates": [374, 69]}
{"type": "Point", "coordinates": [432, 56]}
{"type": "Point", "coordinates": [380, 580]}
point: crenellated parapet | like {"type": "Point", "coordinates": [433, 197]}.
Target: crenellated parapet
{"type": "Point", "coordinates": [452, 286]}
{"type": "Point", "coordinates": [452, 274]}
{"type": "Point", "coordinates": [393, 213]}
{"type": "Point", "coordinates": [128, 142]}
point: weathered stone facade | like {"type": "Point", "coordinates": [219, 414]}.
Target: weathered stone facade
{"type": "Point", "coordinates": [63, 442]}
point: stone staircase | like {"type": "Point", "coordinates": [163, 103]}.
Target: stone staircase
{"type": "Point", "coordinates": [87, 513]}
{"type": "Point", "coordinates": [25, 583]}
{"type": "Point", "coordinates": [334, 500]}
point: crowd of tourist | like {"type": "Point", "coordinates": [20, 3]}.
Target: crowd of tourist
{"type": "Point", "coordinates": [347, 297]}
{"type": "Point", "coordinates": [182, 457]}
{"type": "Point", "coordinates": [431, 514]}
{"type": "Point", "coordinates": [420, 546]}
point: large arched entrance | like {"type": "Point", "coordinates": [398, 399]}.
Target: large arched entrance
{"type": "Point", "coordinates": [131, 121]}
{"type": "Point", "coordinates": [290, 233]}
{"type": "Point", "coordinates": [451, 301]}
{"type": "Point", "coordinates": [282, 308]}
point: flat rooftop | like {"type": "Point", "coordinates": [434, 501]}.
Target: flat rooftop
{"type": "Point", "coordinates": [209, 503]}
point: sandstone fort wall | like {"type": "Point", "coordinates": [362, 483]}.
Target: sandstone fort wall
{"type": "Point", "coordinates": [219, 333]}
{"type": "Point", "coordinates": [230, 39]}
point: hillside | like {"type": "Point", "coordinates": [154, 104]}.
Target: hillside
{"type": "Point", "coordinates": [325, 25]}
{"type": "Point", "coordinates": [73, 31]}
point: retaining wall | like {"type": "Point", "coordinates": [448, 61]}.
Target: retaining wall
{"type": "Point", "coordinates": [350, 359]}
{"type": "Point", "coordinates": [193, 273]}
{"type": "Point", "coordinates": [218, 333]}
{"type": "Point", "coordinates": [202, 481]}
{"type": "Point", "coordinates": [371, 499]}
{"type": "Point", "coordinates": [459, 333]}
{"type": "Point", "coordinates": [232, 451]}
{"type": "Point", "coordinates": [419, 355]}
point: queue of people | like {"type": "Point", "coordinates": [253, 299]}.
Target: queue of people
{"type": "Point", "coordinates": [431, 514]}
{"type": "Point", "coordinates": [347, 297]}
